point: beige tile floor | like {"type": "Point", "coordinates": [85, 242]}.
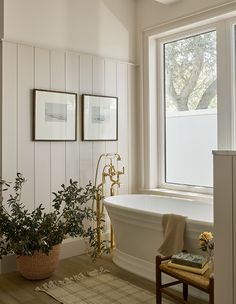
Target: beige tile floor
{"type": "Point", "coordinates": [14, 289]}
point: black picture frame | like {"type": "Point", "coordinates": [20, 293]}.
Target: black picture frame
{"type": "Point", "coordinates": [99, 118]}
{"type": "Point", "coordinates": [54, 115]}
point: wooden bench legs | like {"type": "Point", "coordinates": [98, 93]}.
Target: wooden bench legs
{"type": "Point", "coordinates": [185, 291]}
{"type": "Point", "coordinates": [211, 291]}
{"type": "Point", "coordinates": [158, 280]}
{"type": "Point", "coordinates": [162, 288]}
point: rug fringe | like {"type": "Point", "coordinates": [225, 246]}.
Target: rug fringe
{"type": "Point", "coordinates": [96, 272]}
{"type": "Point", "coordinates": [75, 278]}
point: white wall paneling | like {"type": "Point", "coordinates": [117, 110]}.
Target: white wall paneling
{"type": "Point", "coordinates": [25, 153]}
{"type": "Point", "coordinates": [99, 147]}
{"type": "Point", "coordinates": [46, 165]}
{"type": "Point", "coordinates": [58, 152]}
{"type": "Point", "coordinates": [72, 148]}
{"type": "Point", "coordinates": [86, 147]}
{"type": "Point", "coordinates": [123, 126]}
{"type": "Point", "coordinates": [42, 149]}
{"type": "Point", "coordinates": [9, 112]}
{"type": "Point", "coordinates": [111, 90]}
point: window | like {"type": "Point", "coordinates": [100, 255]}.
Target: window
{"type": "Point", "coordinates": [190, 109]}
{"type": "Point", "coordinates": [188, 101]}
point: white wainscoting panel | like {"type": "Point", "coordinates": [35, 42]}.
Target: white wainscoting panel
{"type": "Point", "coordinates": [42, 149]}
{"type": "Point", "coordinates": [111, 90]}
{"type": "Point", "coordinates": [58, 149]}
{"type": "Point", "coordinates": [86, 147]}
{"type": "Point", "coordinates": [26, 156]}
{"type": "Point", "coordinates": [46, 165]}
{"type": "Point", "coordinates": [9, 112]}
{"type": "Point", "coordinates": [123, 126]}
{"type": "Point", "coordinates": [72, 148]}
{"type": "Point", "coordinates": [99, 147]}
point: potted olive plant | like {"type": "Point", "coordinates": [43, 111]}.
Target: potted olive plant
{"type": "Point", "coordinates": [35, 237]}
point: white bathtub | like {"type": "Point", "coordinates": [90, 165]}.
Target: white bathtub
{"type": "Point", "coordinates": [136, 220]}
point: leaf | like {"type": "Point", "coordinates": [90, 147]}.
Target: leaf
{"type": "Point", "coordinates": [24, 232]}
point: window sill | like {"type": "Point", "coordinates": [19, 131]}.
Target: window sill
{"type": "Point", "coordinates": [205, 198]}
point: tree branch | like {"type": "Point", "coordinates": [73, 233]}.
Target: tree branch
{"type": "Point", "coordinates": [192, 81]}
{"type": "Point", "coordinates": [207, 96]}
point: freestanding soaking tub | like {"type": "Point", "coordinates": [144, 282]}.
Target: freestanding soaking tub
{"type": "Point", "coordinates": [136, 220]}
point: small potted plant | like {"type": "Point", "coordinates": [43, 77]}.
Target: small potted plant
{"type": "Point", "coordinates": [35, 237]}
{"type": "Point", "coordinates": [206, 242]}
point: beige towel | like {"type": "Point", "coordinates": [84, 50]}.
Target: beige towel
{"type": "Point", "coordinates": [173, 228]}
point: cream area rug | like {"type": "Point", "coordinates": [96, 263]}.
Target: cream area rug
{"type": "Point", "coordinates": [96, 287]}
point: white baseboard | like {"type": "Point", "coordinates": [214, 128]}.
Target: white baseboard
{"type": "Point", "coordinates": [8, 263]}
{"type": "Point", "coordinates": [70, 247]}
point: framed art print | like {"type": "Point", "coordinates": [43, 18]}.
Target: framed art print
{"type": "Point", "coordinates": [100, 117]}
{"type": "Point", "coordinates": [54, 116]}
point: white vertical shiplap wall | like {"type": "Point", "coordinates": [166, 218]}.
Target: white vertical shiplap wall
{"type": "Point", "coordinates": [47, 165]}
{"type": "Point", "coordinates": [86, 147]}
{"type": "Point", "coordinates": [9, 111]}
{"type": "Point", "coordinates": [98, 88]}
{"type": "Point", "coordinates": [72, 151]}
{"type": "Point", "coordinates": [58, 155]}
{"type": "Point", "coordinates": [25, 149]}
{"type": "Point", "coordinates": [123, 144]}
{"type": "Point", "coordinates": [111, 90]}
{"type": "Point", "coordinates": [133, 122]}
{"type": "Point", "coordinates": [42, 167]}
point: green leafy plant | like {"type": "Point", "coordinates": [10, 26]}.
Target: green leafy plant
{"type": "Point", "coordinates": [23, 232]}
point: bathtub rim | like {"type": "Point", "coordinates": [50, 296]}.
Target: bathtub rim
{"type": "Point", "coordinates": [151, 213]}
{"type": "Point", "coordinates": [173, 193]}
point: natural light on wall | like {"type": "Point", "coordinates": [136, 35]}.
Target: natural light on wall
{"type": "Point", "coordinates": [168, 1]}
{"type": "Point", "coordinates": [190, 99]}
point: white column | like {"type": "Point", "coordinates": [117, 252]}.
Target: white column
{"type": "Point", "coordinates": [225, 234]}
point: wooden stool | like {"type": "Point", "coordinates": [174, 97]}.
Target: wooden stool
{"type": "Point", "coordinates": [203, 282]}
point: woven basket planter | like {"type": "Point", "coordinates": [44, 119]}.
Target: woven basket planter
{"type": "Point", "coordinates": [38, 266]}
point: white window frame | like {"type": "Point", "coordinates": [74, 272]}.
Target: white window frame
{"type": "Point", "coordinates": [152, 154]}
{"type": "Point", "coordinates": [161, 111]}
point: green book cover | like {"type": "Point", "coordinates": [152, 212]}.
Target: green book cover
{"type": "Point", "coordinates": [189, 259]}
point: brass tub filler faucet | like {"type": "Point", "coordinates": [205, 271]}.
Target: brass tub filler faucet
{"type": "Point", "coordinates": [112, 172]}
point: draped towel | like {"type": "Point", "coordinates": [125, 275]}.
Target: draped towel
{"type": "Point", "coordinates": [173, 230]}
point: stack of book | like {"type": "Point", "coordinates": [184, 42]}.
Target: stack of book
{"type": "Point", "coordinates": [189, 262]}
